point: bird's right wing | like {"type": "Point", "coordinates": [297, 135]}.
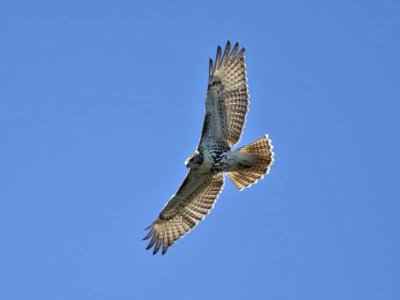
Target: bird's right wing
{"type": "Point", "coordinates": [193, 201]}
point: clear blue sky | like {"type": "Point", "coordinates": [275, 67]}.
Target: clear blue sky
{"type": "Point", "coordinates": [102, 101]}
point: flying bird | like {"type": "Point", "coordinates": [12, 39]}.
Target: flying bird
{"type": "Point", "coordinates": [226, 107]}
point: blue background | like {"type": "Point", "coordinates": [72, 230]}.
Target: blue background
{"type": "Point", "coordinates": [102, 101]}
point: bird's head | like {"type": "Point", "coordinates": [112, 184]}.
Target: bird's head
{"type": "Point", "coordinates": [194, 161]}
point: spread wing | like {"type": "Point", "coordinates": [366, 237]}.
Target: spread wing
{"type": "Point", "coordinates": [193, 201]}
{"type": "Point", "coordinates": [227, 101]}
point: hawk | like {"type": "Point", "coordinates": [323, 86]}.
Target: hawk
{"type": "Point", "coordinates": [227, 104]}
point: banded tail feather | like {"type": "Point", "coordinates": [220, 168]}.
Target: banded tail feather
{"type": "Point", "coordinates": [264, 157]}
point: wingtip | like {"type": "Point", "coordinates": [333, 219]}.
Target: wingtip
{"type": "Point", "coordinates": [219, 53]}
{"type": "Point", "coordinates": [218, 57]}
{"type": "Point", "coordinates": [148, 227]}
{"type": "Point", "coordinates": [211, 68]}
{"type": "Point", "coordinates": [155, 251]}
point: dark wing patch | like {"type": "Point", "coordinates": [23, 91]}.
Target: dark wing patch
{"type": "Point", "coordinates": [193, 201]}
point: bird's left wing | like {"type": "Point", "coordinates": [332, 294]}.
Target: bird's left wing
{"type": "Point", "coordinates": [193, 201]}
{"type": "Point", "coordinates": [227, 101]}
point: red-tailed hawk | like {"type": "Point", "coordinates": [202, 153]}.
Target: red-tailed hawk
{"type": "Point", "coordinates": [227, 104]}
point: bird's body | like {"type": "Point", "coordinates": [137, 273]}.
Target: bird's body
{"type": "Point", "coordinates": [226, 108]}
{"type": "Point", "coordinates": [219, 159]}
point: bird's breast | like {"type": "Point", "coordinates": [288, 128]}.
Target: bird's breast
{"type": "Point", "coordinates": [215, 160]}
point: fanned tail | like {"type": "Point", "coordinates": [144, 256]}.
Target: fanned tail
{"type": "Point", "coordinates": [262, 151]}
